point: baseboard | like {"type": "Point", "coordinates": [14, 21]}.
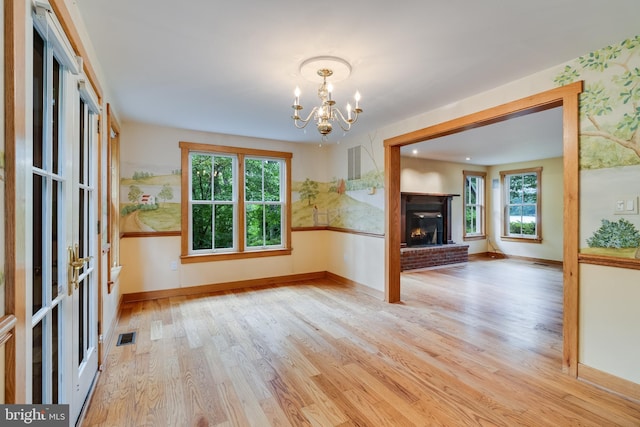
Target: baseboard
{"type": "Point", "coordinates": [500, 255]}
{"type": "Point", "coordinates": [620, 386]}
{"type": "Point", "coordinates": [348, 282]}
{"type": "Point", "coordinates": [107, 341]}
{"type": "Point", "coordinates": [535, 260]}
{"type": "Point", "coordinates": [484, 255]}
{"type": "Point", "coordinates": [217, 287]}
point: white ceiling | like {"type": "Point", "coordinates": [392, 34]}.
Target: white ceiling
{"type": "Point", "coordinates": [231, 66]}
{"type": "Point", "coordinates": [533, 136]}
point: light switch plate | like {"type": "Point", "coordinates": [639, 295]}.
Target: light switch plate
{"type": "Point", "coordinates": [625, 205]}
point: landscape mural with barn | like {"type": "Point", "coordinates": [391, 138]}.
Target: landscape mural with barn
{"type": "Point", "coordinates": [149, 198]}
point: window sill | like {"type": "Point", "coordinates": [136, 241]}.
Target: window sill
{"type": "Point", "coordinates": [476, 237]}
{"type": "Point", "coordinates": [521, 239]}
{"type": "Point", "coordinates": [190, 259]}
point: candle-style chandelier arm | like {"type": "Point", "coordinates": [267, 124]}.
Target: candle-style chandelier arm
{"type": "Point", "coordinates": [348, 121]}
{"type": "Point", "coordinates": [298, 121]}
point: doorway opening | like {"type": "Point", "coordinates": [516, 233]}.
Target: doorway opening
{"type": "Point", "coordinates": [567, 97]}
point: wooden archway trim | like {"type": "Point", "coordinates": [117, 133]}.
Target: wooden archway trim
{"type": "Point", "coordinates": [565, 96]}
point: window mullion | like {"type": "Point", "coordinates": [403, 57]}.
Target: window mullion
{"type": "Point", "coordinates": [264, 209]}
{"type": "Point", "coordinates": [241, 235]}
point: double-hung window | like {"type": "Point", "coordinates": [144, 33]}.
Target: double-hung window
{"type": "Point", "coordinates": [474, 205]}
{"type": "Point", "coordinates": [235, 202]}
{"type": "Point", "coordinates": [264, 202]}
{"type": "Point", "coordinates": [521, 204]}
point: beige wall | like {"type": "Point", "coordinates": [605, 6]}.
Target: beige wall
{"type": "Point", "coordinates": [609, 319]}
{"type": "Point", "coordinates": [551, 209]}
{"type": "Point", "coordinates": [147, 263]}
{"type": "Point", "coordinates": [356, 257]}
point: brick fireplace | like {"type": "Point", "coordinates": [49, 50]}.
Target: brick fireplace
{"type": "Point", "coordinates": [426, 237]}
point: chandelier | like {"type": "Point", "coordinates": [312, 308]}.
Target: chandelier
{"type": "Point", "coordinates": [326, 114]}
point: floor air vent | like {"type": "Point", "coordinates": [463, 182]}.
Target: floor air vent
{"type": "Point", "coordinates": [128, 338]}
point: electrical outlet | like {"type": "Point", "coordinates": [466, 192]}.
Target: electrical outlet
{"type": "Point", "coordinates": [174, 265]}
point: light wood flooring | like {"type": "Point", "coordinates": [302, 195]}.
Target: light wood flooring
{"type": "Point", "coordinates": [470, 345]}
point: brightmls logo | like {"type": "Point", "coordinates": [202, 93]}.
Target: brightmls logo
{"type": "Point", "coordinates": [34, 415]}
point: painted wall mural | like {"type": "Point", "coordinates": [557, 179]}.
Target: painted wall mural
{"type": "Point", "coordinates": [149, 198]}
{"type": "Point", "coordinates": [609, 148]}
{"type": "Point", "coordinates": [352, 201]}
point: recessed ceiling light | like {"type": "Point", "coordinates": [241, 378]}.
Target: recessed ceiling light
{"type": "Point", "coordinates": [415, 151]}
{"type": "Point", "coordinates": [468, 158]}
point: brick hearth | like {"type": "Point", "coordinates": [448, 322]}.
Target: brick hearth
{"type": "Point", "coordinates": [431, 256]}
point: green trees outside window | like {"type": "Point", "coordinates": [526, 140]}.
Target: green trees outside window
{"type": "Point", "coordinates": [212, 201]}
{"type": "Point", "coordinates": [474, 204]}
{"type": "Point", "coordinates": [235, 200]}
{"type": "Point", "coordinates": [263, 202]}
{"type": "Point", "coordinates": [522, 203]}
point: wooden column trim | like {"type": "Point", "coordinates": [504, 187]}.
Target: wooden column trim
{"type": "Point", "coordinates": [565, 96]}
{"type": "Point", "coordinates": [15, 99]}
{"type": "Point", "coordinates": [571, 229]}
{"type": "Point", "coordinates": [62, 13]}
{"type": "Point", "coordinates": [392, 222]}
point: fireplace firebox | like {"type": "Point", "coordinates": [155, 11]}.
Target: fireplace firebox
{"type": "Point", "coordinates": [424, 228]}
{"type": "Point", "coordinates": [426, 219]}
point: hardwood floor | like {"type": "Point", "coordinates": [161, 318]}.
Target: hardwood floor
{"type": "Point", "coordinates": [476, 344]}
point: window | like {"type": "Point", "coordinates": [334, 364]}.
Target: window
{"type": "Point", "coordinates": [521, 204]}
{"type": "Point", "coordinates": [264, 202]}
{"type": "Point", "coordinates": [237, 202]}
{"type": "Point", "coordinates": [474, 205]}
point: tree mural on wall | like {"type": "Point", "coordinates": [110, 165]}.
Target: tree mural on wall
{"type": "Point", "coordinates": [612, 107]}
{"type": "Point", "coordinates": [166, 193]}
{"type": "Point", "coordinates": [609, 146]}
{"type": "Point", "coordinates": [134, 193]}
{"type": "Point", "coordinates": [309, 190]}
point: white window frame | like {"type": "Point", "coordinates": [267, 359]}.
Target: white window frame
{"type": "Point", "coordinates": [240, 249]}
{"type": "Point", "coordinates": [213, 203]}
{"type": "Point", "coordinates": [505, 177]}
{"type": "Point", "coordinates": [479, 205]}
{"type": "Point", "coordinates": [266, 203]}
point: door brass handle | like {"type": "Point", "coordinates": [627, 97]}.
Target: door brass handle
{"type": "Point", "coordinates": [75, 265]}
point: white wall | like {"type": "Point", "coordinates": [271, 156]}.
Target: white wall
{"type": "Point", "coordinates": [551, 206]}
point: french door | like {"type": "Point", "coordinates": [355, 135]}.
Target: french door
{"type": "Point", "coordinates": [63, 218]}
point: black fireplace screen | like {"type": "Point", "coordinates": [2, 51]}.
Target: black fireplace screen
{"type": "Point", "coordinates": [424, 228]}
